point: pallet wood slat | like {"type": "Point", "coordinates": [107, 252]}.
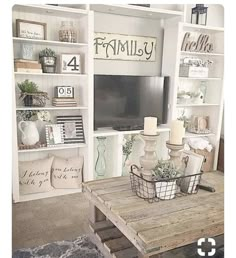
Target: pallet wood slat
{"type": "Point", "coordinates": [109, 234]}
{"type": "Point", "coordinates": [126, 253]}
{"type": "Point", "coordinates": [182, 215]}
{"type": "Point", "coordinates": [101, 225]}
{"type": "Point", "coordinates": [118, 244]}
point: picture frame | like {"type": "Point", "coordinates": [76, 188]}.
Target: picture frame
{"type": "Point", "coordinates": [31, 29]}
{"type": "Point", "coordinates": [193, 166]}
{"type": "Point", "coordinates": [54, 134]}
{"type": "Point", "coordinates": [73, 131]}
{"type": "Point", "coordinates": [199, 125]}
{"type": "Point", "coordinates": [70, 63]}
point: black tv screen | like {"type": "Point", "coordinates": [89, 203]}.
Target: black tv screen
{"type": "Point", "coordinates": [121, 100]}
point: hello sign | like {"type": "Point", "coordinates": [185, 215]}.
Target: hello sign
{"type": "Point", "coordinates": [200, 44]}
{"type": "Point", "coordinates": [124, 47]}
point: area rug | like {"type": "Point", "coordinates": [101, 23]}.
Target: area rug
{"type": "Point", "coordinates": [81, 247]}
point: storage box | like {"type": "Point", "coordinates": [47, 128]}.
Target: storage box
{"type": "Point", "coordinates": [208, 161]}
{"type": "Point", "coordinates": [193, 71]}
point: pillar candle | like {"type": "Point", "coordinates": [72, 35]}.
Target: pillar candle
{"type": "Point", "coordinates": [177, 132]}
{"type": "Point", "coordinates": [150, 125]}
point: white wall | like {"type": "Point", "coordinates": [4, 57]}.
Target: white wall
{"type": "Point", "coordinates": [131, 26]}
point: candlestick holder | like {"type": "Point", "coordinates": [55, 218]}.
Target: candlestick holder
{"type": "Point", "coordinates": [148, 163]}
{"type": "Point", "coordinates": [175, 154]}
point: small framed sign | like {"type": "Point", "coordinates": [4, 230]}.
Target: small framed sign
{"type": "Point", "coordinates": [54, 134]}
{"type": "Point", "coordinates": [70, 63]}
{"type": "Point", "coordinates": [31, 29]}
{"type": "Point", "coordinates": [64, 92]}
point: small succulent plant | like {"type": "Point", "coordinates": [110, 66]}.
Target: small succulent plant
{"type": "Point", "coordinates": [165, 169]}
{"type": "Point", "coordinates": [47, 52]}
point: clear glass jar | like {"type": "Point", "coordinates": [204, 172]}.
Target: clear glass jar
{"type": "Point", "coordinates": [67, 32]}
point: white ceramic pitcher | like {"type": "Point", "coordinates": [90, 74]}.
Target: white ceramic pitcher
{"type": "Point", "coordinates": [30, 134]}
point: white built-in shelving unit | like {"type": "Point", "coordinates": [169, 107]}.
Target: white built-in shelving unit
{"type": "Point", "coordinates": [172, 55]}
{"type": "Point", "coordinates": [82, 17]}
{"type": "Point", "coordinates": [82, 83]}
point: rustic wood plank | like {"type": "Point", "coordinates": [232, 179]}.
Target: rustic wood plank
{"type": "Point", "coordinates": [164, 207]}
{"type": "Point", "coordinates": [176, 216]}
{"type": "Point", "coordinates": [100, 245]}
{"type": "Point", "coordinates": [109, 234]}
{"type": "Point", "coordinates": [126, 253]}
{"type": "Point", "coordinates": [154, 237]}
{"type": "Point", "coordinates": [181, 239]}
{"type": "Point", "coordinates": [101, 225]}
{"type": "Point", "coordinates": [120, 188]}
{"type": "Point", "coordinates": [105, 185]}
{"type": "Point", "coordinates": [116, 195]}
{"type": "Point", "coordinates": [95, 214]}
{"type": "Point", "coordinates": [118, 244]}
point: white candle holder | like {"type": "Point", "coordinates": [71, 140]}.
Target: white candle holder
{"type": "Point", "coordinates": [148, 163]}
{"type": "Point", "coordinates": [175, 153]}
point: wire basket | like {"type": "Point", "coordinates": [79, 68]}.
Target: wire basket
{"type": "Point", "coordinates": [164, 189]}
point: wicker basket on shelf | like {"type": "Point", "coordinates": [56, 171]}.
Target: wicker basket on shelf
{"type": "Point", "coordinates": [37, 99]}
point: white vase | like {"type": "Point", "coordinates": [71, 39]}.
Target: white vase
{"type": "Point", "coordinates": [166, 190]}
{"type": "Point", "coordinates": [30, 135]}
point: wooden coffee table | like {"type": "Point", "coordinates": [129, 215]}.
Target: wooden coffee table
{"type": "Point", "coordinates": [125, 226]}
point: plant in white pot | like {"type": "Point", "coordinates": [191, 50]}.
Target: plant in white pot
{"type": "Point", "coordinates": [165, 173]}
{"type": "Point", "coordinates": [48, 60]}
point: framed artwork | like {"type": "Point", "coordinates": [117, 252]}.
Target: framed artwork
{"type": "Point", "coordinates": [73, 131]}
{"type": "Point", "coordinates": [31, 29]}
{"type": "Point", "coordinates": [54, 134]}
{"type": "Point", "coordinates": [111, 46]}
{"type": "Point", "coordinates": [199, 125]}
{"type": "Point", "coordinates": [193, 166]}
{"type": "Point", "coordinates": [70, 63]}
{"type": "Point", "coordinates": [64, 92]}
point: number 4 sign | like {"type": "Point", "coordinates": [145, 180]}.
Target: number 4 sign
{"type": "Point", "coordinates": [70, 63]}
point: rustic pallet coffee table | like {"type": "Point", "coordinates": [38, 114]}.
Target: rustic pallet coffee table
{"type": "Point", "coordinates": [125, 226]}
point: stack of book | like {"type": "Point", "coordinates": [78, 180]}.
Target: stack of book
{"type": "Point", "coordinates": [64, 102]}
{"type": "Point", "coordinates": [27, 66]}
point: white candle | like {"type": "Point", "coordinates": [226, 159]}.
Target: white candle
{"type": "Point", "coordinates": [177, 132]}
{"type": "Point", "coordinates": [150, 125]}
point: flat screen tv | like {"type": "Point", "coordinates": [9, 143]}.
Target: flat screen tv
{"type": "Point", "coordinates": [122, 101]}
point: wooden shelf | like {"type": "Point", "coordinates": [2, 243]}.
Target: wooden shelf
{"type": "Point", "coordinates": [52, 193]}
{"type": "Point", "coordinates": [136, 11]}
{"type": "Point", "coordinates": [202, 28]}
{"type": "Point", "coordinates": [196, 105]}
{"type": "Point", "coordinates": [201, 53]}
{"type": "Point", "coordinates": [111, 132]}
{"type": "Point", "coordinates": [59, 147]}
{"type": "Point", "coordinates": [49, 107]}
{"type": "Point", "coordinates": [52, 74]}
{"type": "Point", "coordinates": [48, 42]}
{"type": "Point", "coordinates": [194, 135]}
{"type": "Point", "coordinates": [202, 79]}
{"type": "Point", "coordinates": [50, 10]}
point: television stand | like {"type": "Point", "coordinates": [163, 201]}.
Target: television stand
{"type": "Point", "coordinates": [127, 127]}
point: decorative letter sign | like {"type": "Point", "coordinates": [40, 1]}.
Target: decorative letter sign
{"type": "Point", "coordinates": [196, 43]}
{"type": "Point", "coordinates": [124, 47]}
{"type": "Point", "coordinates": [70, 63]}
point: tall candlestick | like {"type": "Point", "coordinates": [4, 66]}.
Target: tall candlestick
{"type": "Point", "coordinates": [177, 132]}
{"type": "Point", "coordinates": [150, 125]}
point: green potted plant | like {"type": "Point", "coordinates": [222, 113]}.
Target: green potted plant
{"type": "Point", "coordinates": [25, 88]}
{"type": "Point", "coordinates": [164, 172]}
{"type": "Point", "coordinates": [31, 95]}
{"type": "Point", "coordinates": [47, 58]}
